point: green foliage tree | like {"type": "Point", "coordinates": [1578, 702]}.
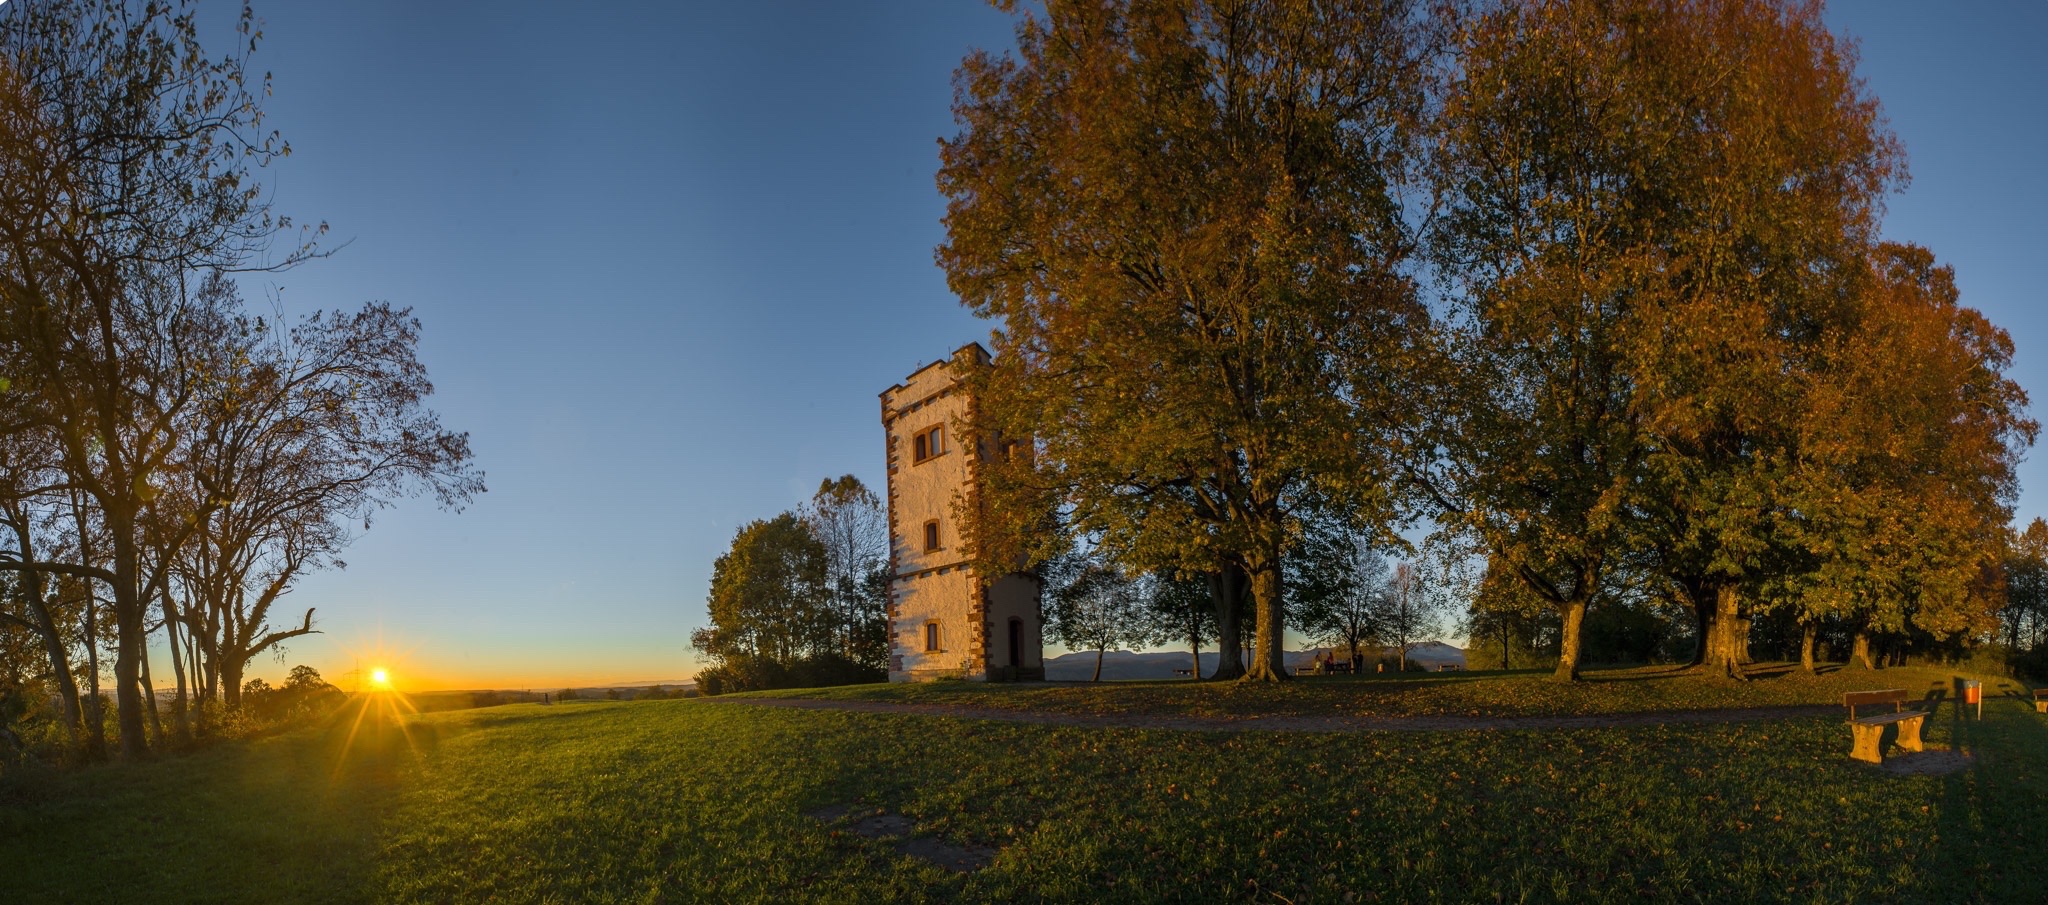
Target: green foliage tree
{"type": "Point", "coordinates": [769, 596]}
{"type": "Point", "coordinates": [1182, 215]}
{"type": "Point", "coordinates": [773, 619]}
{"type": "Point", "coordinates": [1341, 592]}
{"type": "Point", "coordinates": [1181, 610]}
{"type": "Point", "coordinates": [2026, 587]}
{"type": "Point", "coordinates": [1101, 609]}
{"type": "Point", "coordinates": [1651, 212]}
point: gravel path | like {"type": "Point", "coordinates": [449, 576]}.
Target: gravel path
{"type": "Point", "coordinates": [1301, 723]}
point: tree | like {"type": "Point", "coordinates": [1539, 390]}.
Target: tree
{"type": "Point", "coordinates": [1182, 611]}
{"type": "Point", "coordinates": [851, 524]}
{"type": "Point", "coordinates": [1182, 215]}
{"type": "Point", "coordinates": [1409, 611]}
{"type": "Point", "coordinates": [1904, 485]}
{"type": "Point", "coordinates": [1099, 609]}
{"type": "Point", "coordinates": [769, 597]}
{"type": "Point", "coordinates": [1344, 601]}
{"type": "Point", "coordinates": [2026, 587]}
{"type": "Point", "coordinates": [127, 156]}
{"type": "Point", "coordinates": [306, 432]}
{"type": "Point", "coordinates": [1648, 213]}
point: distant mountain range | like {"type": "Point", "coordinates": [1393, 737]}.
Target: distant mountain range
{"type": "Point", "coordinates": [1079, 666]}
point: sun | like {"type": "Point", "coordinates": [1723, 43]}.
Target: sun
{"type": "Point", "coordinates": [380, 677]}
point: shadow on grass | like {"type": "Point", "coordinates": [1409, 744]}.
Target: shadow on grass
{"type": "Point", "coordinates": [306, 804]}
{"type": "Point", "coordinates": [1989, 830]}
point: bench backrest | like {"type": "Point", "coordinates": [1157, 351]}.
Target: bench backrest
{"type": "Point", "coordinates": [1893, 696]}
{"type": "Point", "coordinates": [2040, 693]}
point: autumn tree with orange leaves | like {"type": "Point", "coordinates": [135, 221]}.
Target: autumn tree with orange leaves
{"type": "Point", "coordinates": [1183, 216]}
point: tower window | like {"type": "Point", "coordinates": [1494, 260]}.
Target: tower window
{"type": "Point", "coordinates": [927, 443]}
{"type": "Point", "coordinates": [931, 535]}
{"type": "Point", "coordinates": [931, 637]}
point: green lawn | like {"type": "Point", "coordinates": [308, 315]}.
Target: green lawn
{"type": "Point", "coordinates": [698, 801]}
{"type": "Point", "coordinates": [1475, 694]}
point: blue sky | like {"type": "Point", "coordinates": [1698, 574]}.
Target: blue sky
{"type": "Point", "coordinates": [667, 255]}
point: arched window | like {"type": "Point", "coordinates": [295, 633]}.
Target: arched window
{"type": "Point", "coordinates": [931, 535]}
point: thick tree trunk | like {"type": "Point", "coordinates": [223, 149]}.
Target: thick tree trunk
{"type": "Point", "coordinates": [1574, 613]}
{"type": "Point", "coordinates": [231, 683]}
{"type": "Point", "coordinates": [1806, 636]}
{"type": "Point", "coordinates": [129, 649]}
{"type": "Point", "coordinates": [1859, 650]}
{"type": "Point", "coordinates": [1723, 651]}
{"type": "Point", "coordinates": [1226, 593]}
{"type": "Point", "coordinates": [1268, 658]}
{"type": "Point", "coordinates": [1742, 654]}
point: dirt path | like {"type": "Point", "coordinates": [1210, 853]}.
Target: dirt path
{"type": "Point", "coordinates": [1301, 723]}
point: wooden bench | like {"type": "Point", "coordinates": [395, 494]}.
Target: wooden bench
{"type": "Point", "coordinates": [1188, 671]}
{"type": "Point", "coordinates": [1869, 730]}
{"type": "Point", "coordinates": [2041, 700]}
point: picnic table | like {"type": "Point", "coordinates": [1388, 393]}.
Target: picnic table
{"type": "Point", "coordinates": [2041, 700]}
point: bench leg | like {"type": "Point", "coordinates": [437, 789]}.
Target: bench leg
{"type": "Point", "coordinates": [1869, 742]}
{"type": "Point", "coordinates": [1909, 734]}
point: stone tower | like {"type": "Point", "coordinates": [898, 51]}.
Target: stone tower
{"type": "Point", "coordinates": [946, 619]}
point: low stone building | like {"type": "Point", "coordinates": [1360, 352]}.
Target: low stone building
{"type": "Point", "coordinates": [946, 618]}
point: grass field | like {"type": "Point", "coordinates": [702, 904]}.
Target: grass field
{"type": "Point", "coordinates": [1469, 694]}
{"type": "Point", "coordinates": [701, 801]}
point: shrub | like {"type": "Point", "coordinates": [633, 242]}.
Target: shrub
{"type": "Point", "coordinates": [759, 673]}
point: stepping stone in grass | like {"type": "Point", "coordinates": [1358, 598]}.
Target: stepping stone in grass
{"type": "Point", "coordinates": [1930, 762]}
{"type": "Point", "coordinates": [882, 825]}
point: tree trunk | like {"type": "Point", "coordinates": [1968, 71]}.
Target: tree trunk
{"type": "Point", "coordinates": [129, 649]}
{"type": "Point", "coordinates": [1574, 613]}
{"type": "Point", "coordinates": [33, 585]}
{"type": "Point", "coordinates": [178, 705]}
{"type": "Point", "coordinates": [1806, 636]}
{"type": "Point", "coordinates": [1703, 620]}
{"type": "Point", "coordinates": [96, 713]}
{"type": "Point", "coordinates": [1098, 664]}
{"type": "Point", "coordinates": [1268, 659]}
{"type": "Point", "coordinates": [1226, 593]}
{"type": "Point", "coordinates": [156, 721]}
{"type": "Point", "coordinates": [1723, 653]}
{"type": "Point", "coordinates": [1742, 654]}
{"type": "Point", "coordinates": [1859, 649]}
{"type": "Point", "coordinates": [231, 683]}
{"type": "Point", "coordinates": [72, 715]}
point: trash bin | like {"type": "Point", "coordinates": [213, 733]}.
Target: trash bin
{"type": "Point", "coordinates": [1973, 692]}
